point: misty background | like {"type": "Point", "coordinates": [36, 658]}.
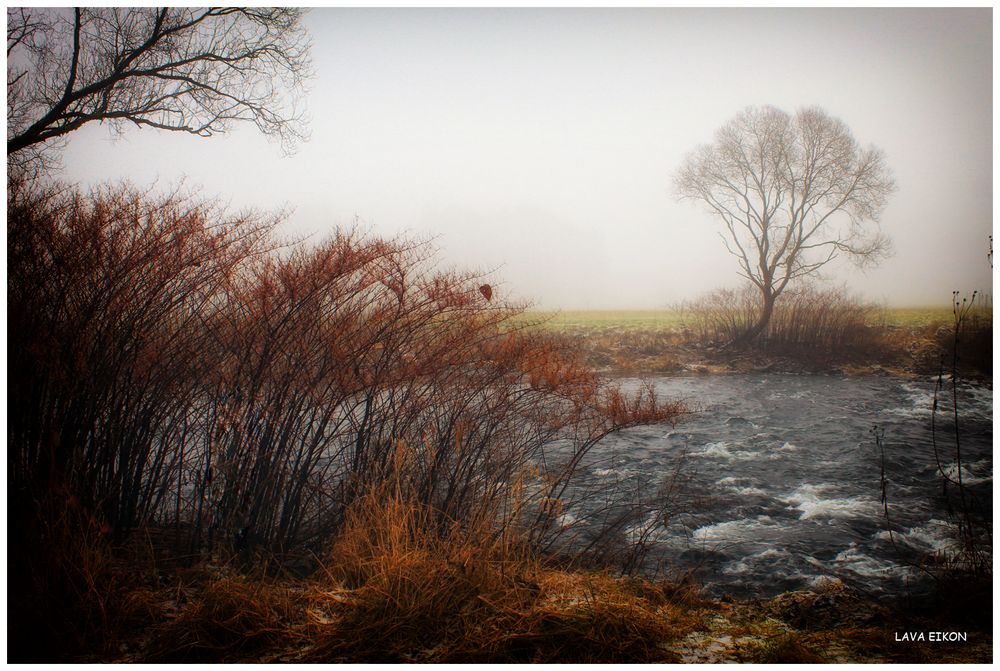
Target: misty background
{"type": "Point", "coordinates": [541, 144]}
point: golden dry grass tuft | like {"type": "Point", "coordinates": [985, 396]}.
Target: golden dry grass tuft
{"type": "Point", "coordinates": [416, 580]}
{"type": "Point", "coordinates": [407, 587]}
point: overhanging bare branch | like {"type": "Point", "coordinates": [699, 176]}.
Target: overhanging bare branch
{"type": "Point", "coordinates": [212, 66]}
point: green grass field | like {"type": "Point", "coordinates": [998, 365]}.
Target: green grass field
{"type": "Point", "coordinates": [573, 320]}
{"type": "Point", "coordinates": [916, 316]}
{"type": "Point", "coordinates": [669, 320]}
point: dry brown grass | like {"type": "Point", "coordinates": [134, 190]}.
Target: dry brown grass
{"type": "Point", "coordinates": [418, 609]}
{"type": "Point", "coordinates": [414, 580]}
{"type": "Point", "coordinates": [636, 349]}
{"type": "Point", "coordinates": [231, 618]}
{"type": "Point", "coordinates": [411, 601]}
{"type": "Point", "coordinates": [592, 619]}
{"type": "Point", "coordinates": [409, 587]}
{"type": "Point", "coordinates": [788, 648]}
{"type": "Point", "coordinates": [555, 617]}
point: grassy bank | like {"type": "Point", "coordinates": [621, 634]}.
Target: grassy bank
{"type": "Point", "coordinates": [676, 319]}
{"type": "Point", "coordinates": [897, 340]}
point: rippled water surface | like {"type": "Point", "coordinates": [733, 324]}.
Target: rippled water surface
{"type": "Point", "coordinates": [784, 471]}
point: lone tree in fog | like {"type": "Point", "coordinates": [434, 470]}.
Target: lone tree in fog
{"type": "Point", "coordinates": [179, 69]}
{"type": "Point", "coordinates": [793, 193]}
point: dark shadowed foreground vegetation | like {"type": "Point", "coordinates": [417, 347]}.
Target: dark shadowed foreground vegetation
{"type": "Point", "coordinates": [224, 448]}
{"type": "Point", "coordinates": [186, 388]}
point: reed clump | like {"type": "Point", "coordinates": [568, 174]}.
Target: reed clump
{"type": "Point", "coordinates": [417, 580]}
{"type": "Point", "coordinates": [529, 616]}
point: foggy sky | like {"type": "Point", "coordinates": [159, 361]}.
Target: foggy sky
{"type": "Point", "coordinates": [540, 144]}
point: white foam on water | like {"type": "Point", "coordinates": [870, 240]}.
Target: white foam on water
{"type": "Point", "coordinates": [751, 563]}
{"type": "Point", "coordinates": [934, 536]}
{"type": "Point", "coordinates": [654, 530]}
{"type": "Point", "coordinates": [974, 401]}
{"type": "Point", "coordinates": [741, 486]}
{"type": "Point", "coordinates": [773, 552]}
{"type": "Point", "coordinates": [720, 449]}
{"type": "Point", "coordinates": [972, 474]}
{"type": "Point", "coordinates": [980, 401]}
{"type": "Point", "coordinates": [810, 491]}
{"type": "Point", "coordinates": [856, 561]}
{"type": "Point", "coordinates": [740, 567]}
{"type": "Point", "coordinates": [810, 501]}
{"type": "Point", "coordinates": [919, 402]}
{"type": "Point", "coordinates": [723, 451]}
{"type": "Point", "coordinates": [608, 472]}
{"type": "Point", "coordinates": [734, 530]}
{"type": "Point", "coordinates": [643, 529]}
{"type": "Point", "coordinates": [750, 491]}
{"type": "Point", "coordinates": [788, 447]}
{"type": "Point", "coordinates": [792, 395]}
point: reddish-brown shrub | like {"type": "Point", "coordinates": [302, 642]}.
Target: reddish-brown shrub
{"type": "Point", "coordinates": [174, 367]}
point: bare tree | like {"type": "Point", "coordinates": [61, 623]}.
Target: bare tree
{"type": "Point", "coordinates": [793, 193]}
{"type": "Point", "coordinates": [179, 69]}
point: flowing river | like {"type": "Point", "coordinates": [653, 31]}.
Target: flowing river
{"type": "Point", "coordinates": [781, 478]}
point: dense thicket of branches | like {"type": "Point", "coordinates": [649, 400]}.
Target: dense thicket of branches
{"type": "Point", "coordinates": [793, 193]}
{"type": "Point", "coordinates": [174, 369]}
{"type": "Point", "coordinates": [810, 322]}
{"type": "Point", "coordinates": [193, 70]}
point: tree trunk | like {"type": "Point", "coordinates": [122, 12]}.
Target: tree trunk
{"type": "Point", "coordinates": [759, 326]}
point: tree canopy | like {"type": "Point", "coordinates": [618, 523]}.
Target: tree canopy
{"type": "Point", "coordinates": [793, 193]}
